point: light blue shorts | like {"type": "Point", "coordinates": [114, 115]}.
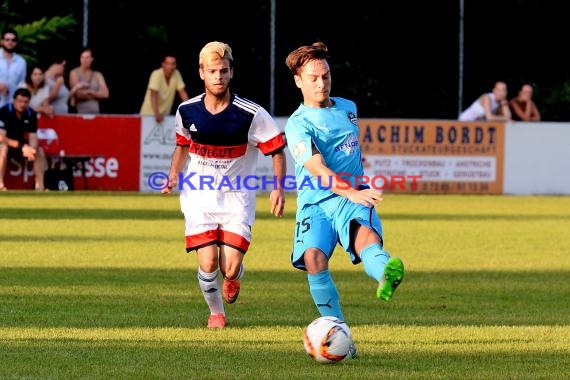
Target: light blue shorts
{"type": "Point", "coordinates": [327, 223]}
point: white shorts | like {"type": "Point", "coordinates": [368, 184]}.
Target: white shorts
{"type": "Point", "coordinates": [215, 217]}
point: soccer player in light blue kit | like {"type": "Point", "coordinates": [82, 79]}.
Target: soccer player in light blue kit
{"type": "Point", "coordinates": [332, 207]}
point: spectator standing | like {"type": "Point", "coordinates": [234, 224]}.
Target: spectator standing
{"type": "Point", "coordinates": [91, 85]}
{"type": "Point", "coordinates": [489, 106]}
{"type": "Point", "coordinates": [163, 85]}
{"type": "Point", "coordinates": [59, 92]}
{"type": "Point", "coordinates": [18, 136]}
{"type": "Point", "coordinates": [13, 67]}
{"type": "Point", "coordinates": [39, 89]}
{"type": "Point", "coordinates": [523, 107]}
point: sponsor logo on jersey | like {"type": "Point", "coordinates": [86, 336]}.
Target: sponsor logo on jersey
{"type": "Point", "coordinates": [349, 145]}
{"type": "Point", "coordinates": [213, 151]}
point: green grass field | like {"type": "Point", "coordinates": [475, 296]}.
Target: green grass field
{"type": "Point", "coordinates": [99, 286]}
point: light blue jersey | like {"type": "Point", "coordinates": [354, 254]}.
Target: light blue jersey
{"type": "Point", "coordinates": [333, 132]}
{"type": "Point", "coordinates": [323, 217]}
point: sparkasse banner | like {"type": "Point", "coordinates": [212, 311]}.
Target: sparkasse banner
{"type": "Point", "coordinates": [110, 142]}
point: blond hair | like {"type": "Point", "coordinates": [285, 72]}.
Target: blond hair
{"type": "Point", "coordinates": [214, 51]}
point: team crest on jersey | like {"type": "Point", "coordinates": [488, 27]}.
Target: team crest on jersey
{"type": "Point", "coordinates": [353, 118]}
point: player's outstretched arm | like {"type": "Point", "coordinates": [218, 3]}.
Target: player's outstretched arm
{"type": "Point", "coordinates": [179, 157]}
{"type": "Point", "coordinates": [329, 179]}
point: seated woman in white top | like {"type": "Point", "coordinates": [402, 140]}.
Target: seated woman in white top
{"type": "Point", "coordinates": [489, 106]}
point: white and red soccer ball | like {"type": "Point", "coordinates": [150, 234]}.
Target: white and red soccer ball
{"type": "Point", "coordinates": [327, 339]}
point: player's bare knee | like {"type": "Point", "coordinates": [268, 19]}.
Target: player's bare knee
{"type": "Point", "coordinates": [315, 260]}
{"type": "Point", "coordinates": [363, 237]}
{"type": "Point", "coordinates": [209, 266]}
{"type": "Point", "coordinates": [230, 271]}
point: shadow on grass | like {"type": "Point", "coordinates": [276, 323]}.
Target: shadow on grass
{"type": "Point", "coordinates": [449, 217]}
{"type": "Point", "coordinates": [145, 214]}
{"type": "Point", "coordinates": [263, 360]}
{"type": "Point", "coordinates": [62, 238]}
{"type": "Point", "coordinates": [62, 213]}
{"type": "Point", "coordinates": [64, 297]}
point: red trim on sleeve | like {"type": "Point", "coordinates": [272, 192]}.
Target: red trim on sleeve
{"type": "Point", "coordinates": [182, 140]}
{"type": "Point", "coordinates": [273, 145]}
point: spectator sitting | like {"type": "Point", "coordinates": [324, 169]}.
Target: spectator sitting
{"type": "Point", "coordinates": [18, 136]}
{"type": "Point", "coordinates": [523, 107]}
{"type": "Point", "coordinates": [489, 106]}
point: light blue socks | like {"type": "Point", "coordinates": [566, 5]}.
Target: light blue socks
{"type": "Point", "coordinates": [325, 294]}
{"type": "Point", "coordinates": [374, 260]}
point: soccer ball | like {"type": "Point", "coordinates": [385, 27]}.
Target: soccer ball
{"type": "Point", "coordinates": [327, 339]}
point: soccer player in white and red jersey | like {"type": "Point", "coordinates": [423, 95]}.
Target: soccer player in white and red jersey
{"type": "Point", "coordinates": [220, 135]}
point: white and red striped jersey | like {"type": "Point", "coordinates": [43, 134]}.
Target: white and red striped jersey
{"type": "Point", "coordinates": [223, 151]}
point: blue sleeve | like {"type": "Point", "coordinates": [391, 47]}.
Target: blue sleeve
{"type": "Point", "coordinates": [299, 141]}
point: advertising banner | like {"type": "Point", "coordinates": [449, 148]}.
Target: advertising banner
{"type": "Point", "coordinates": [131, 153]}
{"type": "Point", "coordinates": [104, 150]}
{"type": "Point", "coordinates": [158, 141]}
{"type": "Point", "coordinates": [433, 156]}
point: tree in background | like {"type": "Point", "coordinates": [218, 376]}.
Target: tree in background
{"type": "Point", "coordinates": [35, 35]}
{"type": "Point", "coordinates": [415, 75]}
